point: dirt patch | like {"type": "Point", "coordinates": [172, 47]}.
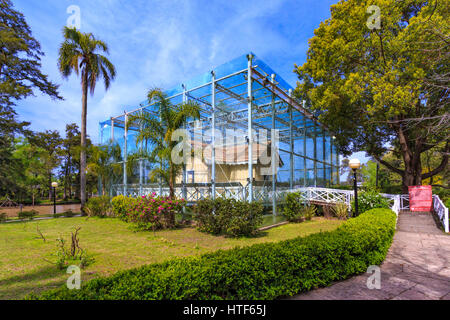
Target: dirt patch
{"type": "Point", "coordinates": [42, 210]}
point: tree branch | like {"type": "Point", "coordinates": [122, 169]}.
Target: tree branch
{"type": "Point", "coordinates": [441, 167]}
{"type": "Point", "coordinates": [389, 166]}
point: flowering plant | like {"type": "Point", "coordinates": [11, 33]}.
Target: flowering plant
{"type": "Point", "coordinates": [152, 212]}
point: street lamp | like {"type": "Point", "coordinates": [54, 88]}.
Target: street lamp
{"type": "Point", "coordinates": [355, 164]}
{"type": "Point", "coordinates": [54, 186]}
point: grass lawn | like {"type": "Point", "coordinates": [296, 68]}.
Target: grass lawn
{"type": "Point", "coordinates": [114, 246]}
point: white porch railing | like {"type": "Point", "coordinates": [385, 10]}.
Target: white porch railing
{"type": "Point", "coordinates": [442, 212]}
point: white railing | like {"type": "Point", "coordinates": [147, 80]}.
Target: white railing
{"type": "Point", "coordinates": [442, 212]}
{"type": "Point", "coordinates": [324, 195]}
{"type": "Point", "coordinates": [396, 206]}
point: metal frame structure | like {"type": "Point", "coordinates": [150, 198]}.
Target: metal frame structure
{"type": "Point", "coordinates": [247, 95]}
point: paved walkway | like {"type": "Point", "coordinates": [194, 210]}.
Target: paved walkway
{"type": "Point", "coordinates": [417, 267]}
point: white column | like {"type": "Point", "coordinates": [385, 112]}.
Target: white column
{"type": "Point", "coordinates": [250, 128]}
{"type": "Point", "coordinates": [141, 167]}
{"type": "Point", "coordinates": [291, 145]}
{"type": "Point", "coordinates": [213, 138]}
{"type": "Point", "coordinates": [160, 162]}
{"type": "Point", "coordinates": [125, 155]}
{"type": "Point", "coordinates": [315, 154]}
{"type": "Point", "coordinates": [112, 130]}
{"type": "Point", "coordinates": [305, 171]}
{"type": "Point", "coordinates": [184, 164]}
{"type": "Point", "coordinates": [273, 160]}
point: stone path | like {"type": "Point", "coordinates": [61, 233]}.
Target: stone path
{"type": "Point", "coordinates": [417, 267]}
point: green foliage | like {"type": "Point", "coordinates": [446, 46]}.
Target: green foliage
{"type": "Point", "coordinates": [152, 212]}
{"type": "Point", "coordinates": [293, 208]}
{"type": "Point", "coordinates": [369, 172]}
{"type": "Point", "coordinates": [105, 164]}
{"type": "Point", "coordinates": [28, 214]}
{"type": "Point", "coordinates": [121, 205]}
{"type": "Point", "coordinates": [447, 203]}
{"type": "Point", "coordinates": [98, 206]}
{"type": "Point", "coordinates": [21, 59]}
{"type": "Point", "coordinates": [262, 271]}
{"type": "Point", "coordinates": [309, 212]}
{"type": "Point", "coordinates": [381, 89]}
{"type": "Point", "coordinates": [341, 211]}
{"type": "Point", "coordinates": [228, 216]}
{"type": "Point", "coordinates": [3, 217]}
{"type": "Point", "coordinates": [443, 193]}
{"type": "Point", "coordinates": [73, 255]}
{"type": "Point", "coordinates": [69, 213]}
{"type": "Point", "coordinates": [370, 199]}
{"type": "Point", "coordinates": [157, 130]}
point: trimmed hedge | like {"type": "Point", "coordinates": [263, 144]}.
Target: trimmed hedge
{"type": "Point", "coordinates": [260, 271]}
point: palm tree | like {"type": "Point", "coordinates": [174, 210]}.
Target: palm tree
{"type": "Point", "coordinates": [105, 164]}
{"type": "Point", "coordinates": [78, 53]}
{"type": "Point", "coordinates": [156, 132]}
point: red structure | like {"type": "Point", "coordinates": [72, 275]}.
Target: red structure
{"type": "Point", "coordinates": [420, 198]}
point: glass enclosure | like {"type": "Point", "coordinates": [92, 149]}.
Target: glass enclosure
{"type": "Point", "coordinates": [287, 148]}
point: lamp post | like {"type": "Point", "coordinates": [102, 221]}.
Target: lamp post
{"type": "Point", "coordinates": [54, 186]}
{"type": "Point", "coordinates": [355, 164]}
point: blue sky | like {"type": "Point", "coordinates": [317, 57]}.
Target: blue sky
{"type": "Point", "coordinates": [162, 43]}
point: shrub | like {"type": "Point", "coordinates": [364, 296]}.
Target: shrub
{"type": "Point", "coordinates": [293, 208]}
{"type": "Point", "coordinates": [98, 206]}
{"type": "Point", "coordinates": [69, 213]}
{"type": "Point", "coordinates": [309, 212]}
{"type": "Point", "coordinates": [120, 206]}
{"type": "Point", "coordinates": [3, 217]}
{"type": "Point", "coordinates": [447, 203]}
{"type": "Point", "coordinates": [341, 211]}
{"type": "Point", "coordinates": [74, 255]}
{"type": "Point", "coordinates": [228, 216]}
{"type": "Point", "coordinates": [370, 199]}
{"type": "Point", "coordinates": [443, 193]}
{"type": "Point", "coordinates": [152, 212]}
{"type": "Point", "coordinates": [28, 214]}
{"type": "Point", "coordinates": [260, 271]}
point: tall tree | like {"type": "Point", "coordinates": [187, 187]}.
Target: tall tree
{"type": "Point", "coordinates": [20, 75]}
{"type": "Point", "coordinates": [10, 167]}
{"type": "Point", "coordinates": [50, 142]}
{"type": "Point", "coordinates": [156, 132]}
{"type": "Point", "coordinates": [381, 90]}
{"type": "Point", "coordinates": [79, 52]}
{"type": "Point", "coordinates": [33, 167]}
{"type": "Point", "coordinates": [20, 59]}
{"type": "Point", "coordinates": [70, 167]}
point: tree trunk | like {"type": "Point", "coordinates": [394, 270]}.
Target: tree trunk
{"type": "Point", "coordinates": [412, 175]}
{"type": "Point", "coordinates": [83, 142]}
{"type": "Point", "coordinates": [50, 186]}
{"type": "Point", "coordinates": [65, 181]}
